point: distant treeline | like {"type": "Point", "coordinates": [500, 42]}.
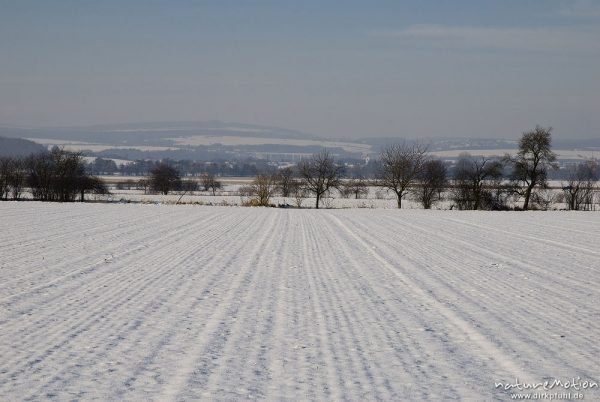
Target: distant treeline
{"type": "Point", "coordinates": [248, 167]}
{"type": "Point", "coordinates": [403, 169]}
{"type": "Point", "coordinates": [49, 176]}
{"type": "Point", "coordinates": [475, 183]}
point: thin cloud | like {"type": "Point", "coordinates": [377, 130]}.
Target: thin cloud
{"type": "Point", "coordinates": [580, 9]}
{"type": "Point", "coordinates": [519, 39]}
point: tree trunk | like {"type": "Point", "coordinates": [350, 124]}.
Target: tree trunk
{"type": "Point", "coordinates": [527, 196]}
{"type": "Point", "coordinates": [318, 198]}
{"type": "Point", "coordinates": [399, 195]}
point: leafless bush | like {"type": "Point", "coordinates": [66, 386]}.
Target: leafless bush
{"type": "Point", "coordinates": [380, 194]}
{"type": "Point", "coordinates": [356, 188]}
{"type": "Point", "coordinates": [580, 187]}
{"type": "Point", "coordinates": [210, 183]}
{"type": "Point", "coordinates": [143, 184]}
{"type": "Point", "coordinates": [59, 176]}
{"type": "Point", "coordinates": [431, 182]}
{"type": "Point", "coordinates": [299, 192]}
{"type": "Point", "coordinates": [246, 195]}
{"type": "Point", "coordinates": [284, 179]}
{"type": "Point", "coordinates": [544, 198]}
{"type": "Point", "coordinates": [263, 188]}
{"type": "Point", "coordinates": [474, 179]}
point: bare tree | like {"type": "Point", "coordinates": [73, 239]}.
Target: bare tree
{"type": "Point", "coordinates": [210, 182]}
{"type": "Point", "coordinates": [263, 188]}
{"type": "Point", "coordinates": [580, 187]}
{"type": "Point", "coordinates": [356, 188]}
{"type": "Point", "coordinates": [40, 175]}
{"type": "Point", "coordinates": [143, 184]}
{"type": "Point", "coordinates": [16, 178]}
{"type": "Point", "coordinates": [471, 189]}
{"type": "Point", "coordinates": [284, 180]}
{"type": "Point", "coordinates": [164, 178]}
{"type": "Point", "coordinates": [401, 165]}
{"type": "Point", "coordinates": [531, 164]}
{"type": "Point", "coordinates": [69, 170]}
{"type": "Point", "coordinates": [431, 182]}
{"type": "Point", "coordinates": [320, 173]}
{"type": "Point", "coordinates": [57, 175]}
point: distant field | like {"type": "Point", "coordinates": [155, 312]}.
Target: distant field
{"type": "Point", "coordinates": [246, 140]}
{"type": "Point", "coordinates": [76, 146]}
{"type": "Point", "coordinates": [156, 302]}
{"type": "Point", "coordinates": [560, 153]}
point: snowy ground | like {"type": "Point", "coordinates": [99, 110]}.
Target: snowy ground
{"type": "Point", "coordinates": [159, 302]}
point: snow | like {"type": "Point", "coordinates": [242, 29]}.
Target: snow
{"type": "Point", "coordinates": [231, 140]}
{"type": "Point", "coordinates": [164, 302]}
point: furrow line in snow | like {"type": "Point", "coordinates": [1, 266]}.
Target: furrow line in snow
{"type": "Point", "coordinates": [565, 277]}
{"type": "Point", "coordinates": [216, 324]}
{"type": "Point", "coordinates": [75, 326]}
{"type": "Point", "coordinates": [206, 274]}
{"type": "Point", "coordinates": [486, 346]}
{"type": "Point", "coordinates": [402, 318]}
{"type": "Point", "coordinates": [131, 247]}
{"type": "Point", "coordinates": [62, 228]}
{"type": "Point", "coordinates": [494, 312]}
{"type": "Point", "coordinates": [511, 234]}
{"type": "Point", "coordinates": [331, 383]}
{"type": "Point", "coordinates": [242, 355]}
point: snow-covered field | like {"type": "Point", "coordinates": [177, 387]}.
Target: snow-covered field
{"type": "Point", "coordinates": [163, 302]}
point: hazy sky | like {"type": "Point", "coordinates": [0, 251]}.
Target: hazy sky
{"type": "Point", "coordinates": [335, 68]}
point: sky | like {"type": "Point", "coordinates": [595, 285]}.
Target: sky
{"type": "Point", "coordinates": [339, 69]}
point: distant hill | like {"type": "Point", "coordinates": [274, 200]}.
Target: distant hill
{"type": "Point", "coordinates": [19, 147]}
{"type": "Point", "coordinates": [158, 134]}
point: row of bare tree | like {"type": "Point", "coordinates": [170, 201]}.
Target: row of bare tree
{"type": "Point", "coordinates": [480, 183]}
{"type": "Point", "coordinates": [477, 183]}
{"type": "Point", "coordinates": [57, 175]}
